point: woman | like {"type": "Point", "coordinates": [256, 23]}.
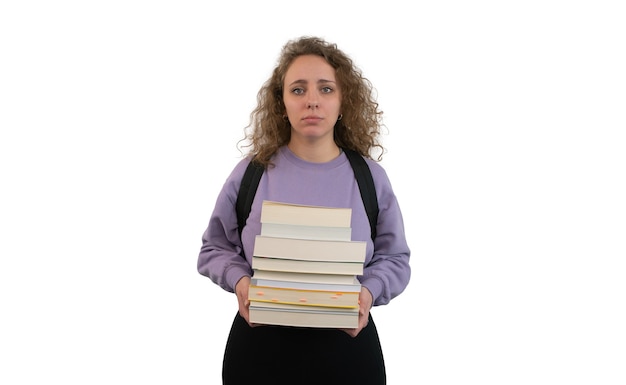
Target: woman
{"type": "Point", "coordinates": [315, 104]}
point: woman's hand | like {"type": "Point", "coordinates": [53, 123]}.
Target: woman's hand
{"type": "Point", "coordinates": [365, 304]}
{"type": "Point", "coordinates": [241, 289]}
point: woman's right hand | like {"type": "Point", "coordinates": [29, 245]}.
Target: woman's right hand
{"type": "Point", "coordinates": [241, 289]}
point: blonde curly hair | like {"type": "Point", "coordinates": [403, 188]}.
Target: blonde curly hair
{"type": "Point", "coordinates": [358, 130]}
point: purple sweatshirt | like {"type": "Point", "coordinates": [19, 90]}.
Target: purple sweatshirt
{"type": "Point", "coordinates": [293, 180]}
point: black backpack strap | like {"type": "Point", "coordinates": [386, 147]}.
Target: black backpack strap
{"type": "Point", "coordinates": [364, 179]}
{"type": "Point", "coordinates": [247, 191]}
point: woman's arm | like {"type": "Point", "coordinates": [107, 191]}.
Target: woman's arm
{"type": "Point", "coordinates": [388, 273]}
{"type": "Point", "coordinates": [220, 256]}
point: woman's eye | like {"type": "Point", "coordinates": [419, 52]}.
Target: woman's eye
{"type": "Point", "coordinates": [327, 90]}
{"type": "Point", "coordinates": [297, 91]}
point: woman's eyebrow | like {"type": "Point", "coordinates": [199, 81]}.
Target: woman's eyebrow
{"type": "Point", "coordinates": [302, 81]}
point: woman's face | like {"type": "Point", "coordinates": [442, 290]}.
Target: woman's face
{"type": "Point", "coordinates": [312, 98]}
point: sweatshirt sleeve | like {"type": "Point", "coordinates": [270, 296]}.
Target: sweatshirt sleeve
{"type": "Point", "coordinates": [388, 273]}
{"type": "Point", "coordinates": [220, 256]}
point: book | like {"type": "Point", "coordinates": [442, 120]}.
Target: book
{"type": "Point", "coordinates": [336, 279]}
{"type": "Point", "coordinates": [309, 249]}
{"type": "Point", "coordinates": [304, 297]}
{"type": "Point", "coordinates": [294, 214]}
{"type": "Point", "coordinates": [305, 267]}
{"type": "Point", "coordinates": [303, 316]}
{"type": "Point", "coordinates": [300, 266]}
{"type": "Point", "coordinates": [285, 230]}
{"type": "Point", "coordinates": [354, 286]}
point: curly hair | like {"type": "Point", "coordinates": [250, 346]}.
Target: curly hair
{"type": "Point", "coordinates": [358, 130]}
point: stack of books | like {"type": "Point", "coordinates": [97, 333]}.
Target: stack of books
{"type": "Point", "coordinates": [305, 266]}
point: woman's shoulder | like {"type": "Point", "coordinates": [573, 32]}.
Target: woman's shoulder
{"type": "Point", "coordinates": [382, 183]}
{"type": "Point", "coordinates": [233, 181]}
{"type": "Point", "coordinates": [377, 169]}
{"type": "Point", "coordinates": [240, 167]}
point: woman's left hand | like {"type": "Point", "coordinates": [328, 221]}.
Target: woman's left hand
{"type": "Point", "coordinates": [365, 304]}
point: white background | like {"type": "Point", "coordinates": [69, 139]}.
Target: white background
{"type": "Point", "coordinates": [505, 147]}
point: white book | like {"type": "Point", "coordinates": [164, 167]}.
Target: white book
{"type": "Point", "coordinates": [330, 287]}
{"type": "Point", "coordinates": [309, 249]}
{"type": "Point", "coordinates": [327, 233]}
{"type": "Point", "coordinates": [303, 316]}
{"type": "Point", "coordinates": [293, 214]}
{"type": "Point", "coordinates": [299, 266]}
{"type": "Point", "coordinates": [337, 279]}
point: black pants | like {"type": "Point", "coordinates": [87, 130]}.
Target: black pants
{"type": "Point", "coordinates": [279, 355]}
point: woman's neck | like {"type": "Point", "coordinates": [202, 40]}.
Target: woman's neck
{"type": "Point", "coordinates": [315, 152]}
